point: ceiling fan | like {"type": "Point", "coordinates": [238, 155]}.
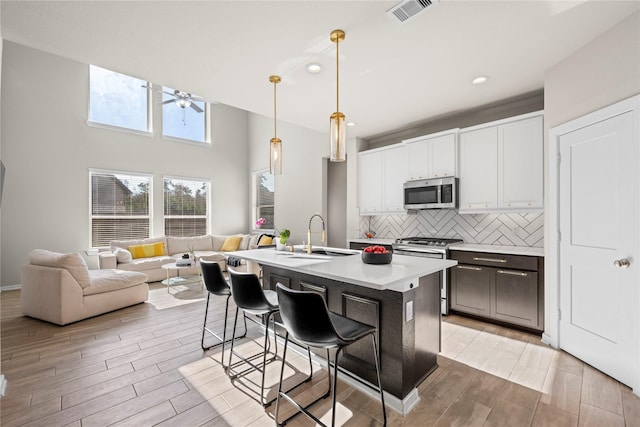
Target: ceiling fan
{"type": "Point", "coordinates": [181, 99]}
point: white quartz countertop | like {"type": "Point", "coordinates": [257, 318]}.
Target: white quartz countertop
{"type": "Point", "coordinates": [498, 249]}
{"type": "Point", "coordinates": [401, 275]}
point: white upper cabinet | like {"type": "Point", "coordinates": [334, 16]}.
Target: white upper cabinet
{"type": "Point", "coordinates": [382, 173]}
{"type": "Point", "coordinates": [394, 166]}
{"type": "Point", "coordinates": [370, 182]}
{"type": "Point", "coordinates": [520, 161]}
{"type": "Point", "coordinates": [432, 156]}
{"type": "Point", "coordinates": [501, 165]}
{"type": "Point", "coordinates": [478, 169]}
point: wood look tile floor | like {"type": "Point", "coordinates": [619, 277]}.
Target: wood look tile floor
{"type": "Point", "coordinates": [143, 366]}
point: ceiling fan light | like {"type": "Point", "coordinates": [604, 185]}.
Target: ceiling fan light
{"type": "Point", "coordinates": [183, 102]}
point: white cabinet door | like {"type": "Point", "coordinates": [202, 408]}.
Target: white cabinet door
{"type": "Point", "coordinates": [442, 156]}
{"type": "Point", "coordinates": [394, 167]}
{"type": "Point", "coordinates": [370, 182]}
{"type": "Point", "coordinates": [478, 169]}
{"type": "Point", "coordinates": [419, 162]}
{"type": "Point", "coordinates": [432, 157]}
{"type": "Point", "coordinates": [520, 180]}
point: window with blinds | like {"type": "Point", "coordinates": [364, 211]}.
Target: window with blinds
{"type": "Point", "coordinates": [264, 196]}
{"type": "Point", "coordinates": [119, 207]}
{"type": "Point", "coordinates": [185, 207]}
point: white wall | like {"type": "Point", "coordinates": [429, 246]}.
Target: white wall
{"type": "Point", "coordinates": [299, 190]}
{"type": "Point", "coordinates": [48, 149]}
{"type": "Point", "coordinates": [604, 71]}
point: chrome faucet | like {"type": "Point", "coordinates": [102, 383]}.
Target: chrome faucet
{"type": "Point", "coordinates": [324, 235]}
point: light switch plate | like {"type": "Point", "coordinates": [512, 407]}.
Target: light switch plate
{"type": "Point", "coordinates": [409, 311]}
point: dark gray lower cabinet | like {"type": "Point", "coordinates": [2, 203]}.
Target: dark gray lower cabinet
{"type": "Point", "coordinates": [506, 288]}
{"type": "Point", "coordinates": [472, 290]}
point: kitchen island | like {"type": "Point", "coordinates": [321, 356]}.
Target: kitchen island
{"type": "Point", "coordinates": [401, 299]}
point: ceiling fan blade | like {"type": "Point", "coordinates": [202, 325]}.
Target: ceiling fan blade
{"type": "Point", "coordinates": [195, 107]}
{"type": "Point", "coordinates": [168, 101]}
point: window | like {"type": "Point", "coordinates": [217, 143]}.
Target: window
{"type": "Point", "coordinates": [118, 100]}
{"type": "Point", "coordinates": [119, 207]}
{"type": "Point", "coordinates": [185, 207]}
{"type": "Point", "coordinates": [183, 117]}
{"type": "Point", "coordinates": [264, 196]}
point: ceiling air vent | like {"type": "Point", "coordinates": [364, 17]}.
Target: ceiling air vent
{"type": "Point", "coordinates": [409, 8]}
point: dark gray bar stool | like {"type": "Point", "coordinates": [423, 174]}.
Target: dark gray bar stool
{"type": "Point", "coordinates": [216, 285]}
{"type": "Point", "coordinates": [306, 317]}
{"type": "Point", "coordinates": [248, 295]}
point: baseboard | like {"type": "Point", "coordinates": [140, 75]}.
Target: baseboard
{"type": "Point", "coordinates": [10, 287]}
{"type": "Point", "coordinates": [3, 385]}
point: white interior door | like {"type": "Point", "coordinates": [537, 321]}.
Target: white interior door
{"type": "Point", "coordinates": [597, 220]}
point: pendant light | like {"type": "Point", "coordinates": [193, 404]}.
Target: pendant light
{"type": "Point", "coordinates": [275, 152]}
{"type": "Point", "coordinates": [337, 128]}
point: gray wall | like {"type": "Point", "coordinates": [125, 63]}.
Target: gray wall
{"type": "Point", "coordinates": [299, 189]}
{"type": "Point", "coordinates": [48, 149]}
{"type": "Point", "coordinates": [604, 71]}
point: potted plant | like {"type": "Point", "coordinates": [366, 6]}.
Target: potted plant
{"type": "Point", "coordinates": [282, 241]}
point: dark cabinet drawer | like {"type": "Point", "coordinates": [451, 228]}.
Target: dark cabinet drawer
{"type": "Point", "coordinates": [515, 298]}
{"type": "Point", "coordinates": [519, 262]}
{"type": "Point", "coordinates": [471, 289]}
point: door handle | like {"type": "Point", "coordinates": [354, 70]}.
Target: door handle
{"type": "Point", "coordinates": [489, 259]}
{"type": "Point", "coordinates": [465, 267]}
{"type": "Point", "coordinates": [512, 273]}
{"type": "Point", "coordinates": [622, 263]}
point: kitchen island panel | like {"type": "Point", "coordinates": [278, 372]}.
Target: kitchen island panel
{"type": "Point", "coordinates": [406, 357]}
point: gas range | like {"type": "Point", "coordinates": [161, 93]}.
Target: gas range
{"type": "Point", "coordinates": [423, 244]}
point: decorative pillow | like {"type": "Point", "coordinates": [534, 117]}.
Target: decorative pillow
{"type": "Point", "coordinates": [73, 263]}
{"type": "Point", "coordinates": [147, 251]}
{"type": "Point", "coordinates": [244, 244]}
{"type": "Point", "coordinates": [265, 240]}
{"type": "Point", "coordinates": [123, 256]}
{"type": "Point", "coordinates": [231, 244]}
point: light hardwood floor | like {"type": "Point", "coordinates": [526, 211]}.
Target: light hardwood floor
{"type": "Point", "coordinates": [143, 366]}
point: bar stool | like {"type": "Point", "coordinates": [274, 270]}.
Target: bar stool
{"type": "Point", "coordinates": [307, 318]}
{"type": "Point", "coordinates": [216, 285]}
{"type": "Point", "coordinates": [248, 295]}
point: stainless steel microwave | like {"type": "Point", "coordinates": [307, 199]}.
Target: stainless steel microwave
{"type": "Point", "coordinates": [437, 193]}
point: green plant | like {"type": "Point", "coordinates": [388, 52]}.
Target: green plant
{"type": "Point", "coordinates": [284, 235]}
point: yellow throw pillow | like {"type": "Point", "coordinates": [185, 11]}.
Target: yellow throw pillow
{"type": "Point", "coordinates": [147, 251]}
{"type": "Point", "coordinates": [231, 244]}
{"type": "Point", "coordinates": [265, 240]}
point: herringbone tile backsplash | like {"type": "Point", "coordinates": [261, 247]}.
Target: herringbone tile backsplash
{"type": "Point", "coordinates": [510, 229]}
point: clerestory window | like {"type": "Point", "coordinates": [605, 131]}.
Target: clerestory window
{"type": "Point", "coordinates": [118, 100]}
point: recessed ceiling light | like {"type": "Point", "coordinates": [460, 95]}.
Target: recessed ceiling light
{"type": "Point", "coordinates": [351, 123]}
{"type": "Point", "coordinates": [314, 68]}
{"type": "Point", "coordinates": [479, 80]}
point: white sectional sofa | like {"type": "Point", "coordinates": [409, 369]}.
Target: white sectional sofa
{"type": "Point", "coordinates": [208, 247]}
{"type": "Point", "coordinates": [59, 288]}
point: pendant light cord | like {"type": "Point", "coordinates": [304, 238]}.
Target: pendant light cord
{"type": "Point", "coordinates": [275, 133]}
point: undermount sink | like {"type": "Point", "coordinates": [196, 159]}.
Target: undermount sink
{"type": "Point", "coordinates": [331, 253]}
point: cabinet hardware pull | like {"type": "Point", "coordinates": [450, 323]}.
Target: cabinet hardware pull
{"type": "Point", "coordinates": [466, 267]}
{"type": "Point", "coordinates": [512, 273]}
{"type": "Point", "coordinates": [489, 259]}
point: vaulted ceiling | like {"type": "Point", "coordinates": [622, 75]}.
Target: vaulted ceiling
{"type": "Point", "coordinates": [391, 75]}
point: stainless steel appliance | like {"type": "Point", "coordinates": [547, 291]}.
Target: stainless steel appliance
{"type": "Point", "coordinates": [428, 247]}
{"type": "Point", "coordinates": [437, 193]}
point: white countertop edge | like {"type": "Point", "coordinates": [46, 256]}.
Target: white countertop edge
{"type": "Point", "coordinates": [498, 249]}
{"type": "Point", "coordinates": [341, 269]}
